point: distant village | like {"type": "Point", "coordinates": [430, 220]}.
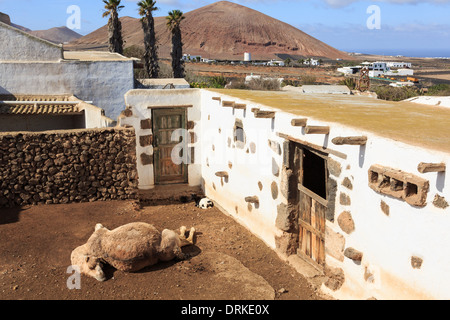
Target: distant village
{"type": "Point", "coordinates": [248, 60]}
{"type": "Point", "coordinates": [385, 71]}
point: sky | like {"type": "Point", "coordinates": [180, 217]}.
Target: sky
{"type": "Point", "coordinates": [390, 27]}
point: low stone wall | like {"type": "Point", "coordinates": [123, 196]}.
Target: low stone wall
{"type": "Point", "coordinates": [67, 166]}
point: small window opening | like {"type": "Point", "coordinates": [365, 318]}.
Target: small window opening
{"type": "Point", "coordinates": [239, 134]}
{"type": "Point", "coordinates": [314, 173]}
{"type": "Point", "coordinates": [396, 185]}
{"type": "Point", "coordinates": [411, 190]}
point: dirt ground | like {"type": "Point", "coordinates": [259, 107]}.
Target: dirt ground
{"type": "Point", "coordinates": [227, 263]}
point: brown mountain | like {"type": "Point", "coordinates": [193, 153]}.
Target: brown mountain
{"type": "Point", "coordinates": [222, 30]}
{"type": "Point", "coordinates": [57, 35]}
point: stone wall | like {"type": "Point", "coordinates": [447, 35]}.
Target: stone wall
{"type": "Point", "coordinates": [67, 166]}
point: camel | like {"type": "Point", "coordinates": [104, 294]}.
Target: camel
{"type": "Point", "coordinates": [129, 248]}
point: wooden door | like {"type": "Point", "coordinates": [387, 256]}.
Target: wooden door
{"type": "Point", "coordinates": [312, 205]}
{"type": "Point", "coordinates": [165, 122]}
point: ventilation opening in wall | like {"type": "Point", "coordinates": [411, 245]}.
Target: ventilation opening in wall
{"type": "Point", "coordinates": [239, 134]}
{"type": "Point", "coordinates": [411, 190]}
{"type": "Point", "coordinates": [314, 173]}
{"type": "Point", "coordinates": [399, 184]}
{"type": "Point", "coordinates": [373, 177]}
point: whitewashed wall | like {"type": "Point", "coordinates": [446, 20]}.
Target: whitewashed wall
{"type": "Point", "coordinates": [17, 45]}
{"type": "Point", "coordinates": [387, 242]}
{"type": "Point", "coordinates": [102, 82]}
{"type": "Point", "coordinates": [138, 102]}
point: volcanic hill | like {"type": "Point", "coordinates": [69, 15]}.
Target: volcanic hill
{"type": "Point", "coordinates": [222, 30]}
{"type": "Point", "coordinates": [57, 35]}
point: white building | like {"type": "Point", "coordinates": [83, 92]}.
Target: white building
{"type": "Point", "coordinates": [399, 64]}
{"type": "Point", "coordinates": [311, 62]}
{"type": "Point", "coordinates": [275, 63]}
{"type": "Point", "coordinates": [32, 66]}
{"type": "Point", "coordinates": [193, 58]}
{"type": "Point", "coordinates": [378, 68]}
{"type": "Point", "coordinates": [258, 77]}
{"type": "Point", "coordinates": [367, 205]}
{"type": "Point", "coordinates": [44, 113]}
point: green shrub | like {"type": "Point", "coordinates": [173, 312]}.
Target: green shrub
{"type": "Point", "coordinates": [264, 84]}
{"type": "Point", "coordinates": [396, 93]}
{"type": "Point", "coordinates": [218, 82]}
{"type": "Point", "coordinates": [256, 84]}
{"type": "Point", "coordinates": [308, 79]}
{"type": "Point", "coordinates": [134, 52]}
{"type": "Point", "coordinates": [439, 90]}
{"type": "Point", "coordinates": [349, 82]}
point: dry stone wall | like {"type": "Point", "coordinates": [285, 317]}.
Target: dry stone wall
{"type": "Point", "coordinates": [60, 167]}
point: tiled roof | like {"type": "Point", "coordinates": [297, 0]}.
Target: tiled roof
{"type": "Point", "coordinates": [33, 105]}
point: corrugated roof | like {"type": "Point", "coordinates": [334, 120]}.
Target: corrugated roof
{"type": "Point", "coordinates": [37, 105]}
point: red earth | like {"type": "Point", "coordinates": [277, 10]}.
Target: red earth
{"type": "Point", "coordinates": [227, 262]}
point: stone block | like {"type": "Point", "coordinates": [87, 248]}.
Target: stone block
{"type": "Point", "coordinates": [346, 222]}
{"type": "Point", "coordinates": [146, 124]}
{"type": "Point", "coordinates": [146, 159]}
{"type": "Point", "coordinates": [353, 254]}
{"type": "Point", "coordinates": [334, 244]}
{"type": "Point", "coordinates": [145, 141]}
{"type": "Point", "coordinates": [440, 202]}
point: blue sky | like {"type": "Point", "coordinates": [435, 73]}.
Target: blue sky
{"type": "Point", "coordinates": [408, 27]}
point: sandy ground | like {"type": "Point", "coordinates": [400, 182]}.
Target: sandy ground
{"type": "Point", "coordinates": [227, 262]}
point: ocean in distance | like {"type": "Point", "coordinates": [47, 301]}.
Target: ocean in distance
{"type": "Point", "coordinates": [415, 53]}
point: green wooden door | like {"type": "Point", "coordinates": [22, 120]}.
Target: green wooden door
{"type": "Point", "coordinates": [165, 122]}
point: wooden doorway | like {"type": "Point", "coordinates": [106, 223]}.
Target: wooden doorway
{"type": "Point", "coordinates": [312, 206]}
{"type": "Point", "coordinates": [165, 122]}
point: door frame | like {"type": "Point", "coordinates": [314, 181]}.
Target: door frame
{"type": "Point", "coordinates": [315, 228]}
{"type": "Point", "coordinates": [182, 110]}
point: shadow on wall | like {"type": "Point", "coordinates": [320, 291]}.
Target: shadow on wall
{"type": "Point", "coordinates": [4, 91]}
{"type": "Point", "coordinates": [9, 215]}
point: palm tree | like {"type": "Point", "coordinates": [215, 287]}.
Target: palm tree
{"type": "Point", "coordinates": [146, 8]}
{"type": "Point", "coordinates": [112, 8]}
{"type": "Point", "coordinates": [173, 23]}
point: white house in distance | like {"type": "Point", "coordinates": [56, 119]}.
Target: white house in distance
{"type": "Point", "coordinates": [338, 183]}
{"type": "Point", "coordinates": [275, 63]}
{"type": "Point", "coordinates": [380, 68]}
{"type": "Point", "coordinates": [399, 64]}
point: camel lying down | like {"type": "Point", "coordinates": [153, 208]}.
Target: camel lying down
{"type": "Point", "coordinates": [129, 248]}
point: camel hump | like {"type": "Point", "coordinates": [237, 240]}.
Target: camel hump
{"type": "Point", "coordinates": [131, 241]}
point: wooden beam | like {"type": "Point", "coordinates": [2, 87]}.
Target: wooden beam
{"type": "Point", "coordinates": [227, 103]}
{"type": "Point", "coordinates": [265, 114]}
{"type": "Point", "coordinates": [317, 130]}
{"type": "Point", "coordinates": [217, 98]}
{"type": "Point", "coordinates": [173, 106]}
{"type": "Point", "coordinates": [354, 141]}
{"type": "Point", "coordinates": [222, 174]}
{"type": "Point", "coordinates": [313, 146]}
{"type": "Point", "coordinates": [299, 122]}
{"type": "Point", "coordinates": [431, 167]}
{"type": "Point", "coordinates": [254, 200]}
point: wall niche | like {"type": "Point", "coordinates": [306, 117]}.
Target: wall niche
{"type": "Point", "coordinates": [399, 184]}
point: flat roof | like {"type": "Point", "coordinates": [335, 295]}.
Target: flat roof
{"type": "Point", "coordinates": [407, 122]}
{"type": "Point", "coordinates": [95, 56]}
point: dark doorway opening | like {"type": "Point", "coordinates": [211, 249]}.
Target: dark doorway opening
{"type": "Point", "coordinates": [314, 173]}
